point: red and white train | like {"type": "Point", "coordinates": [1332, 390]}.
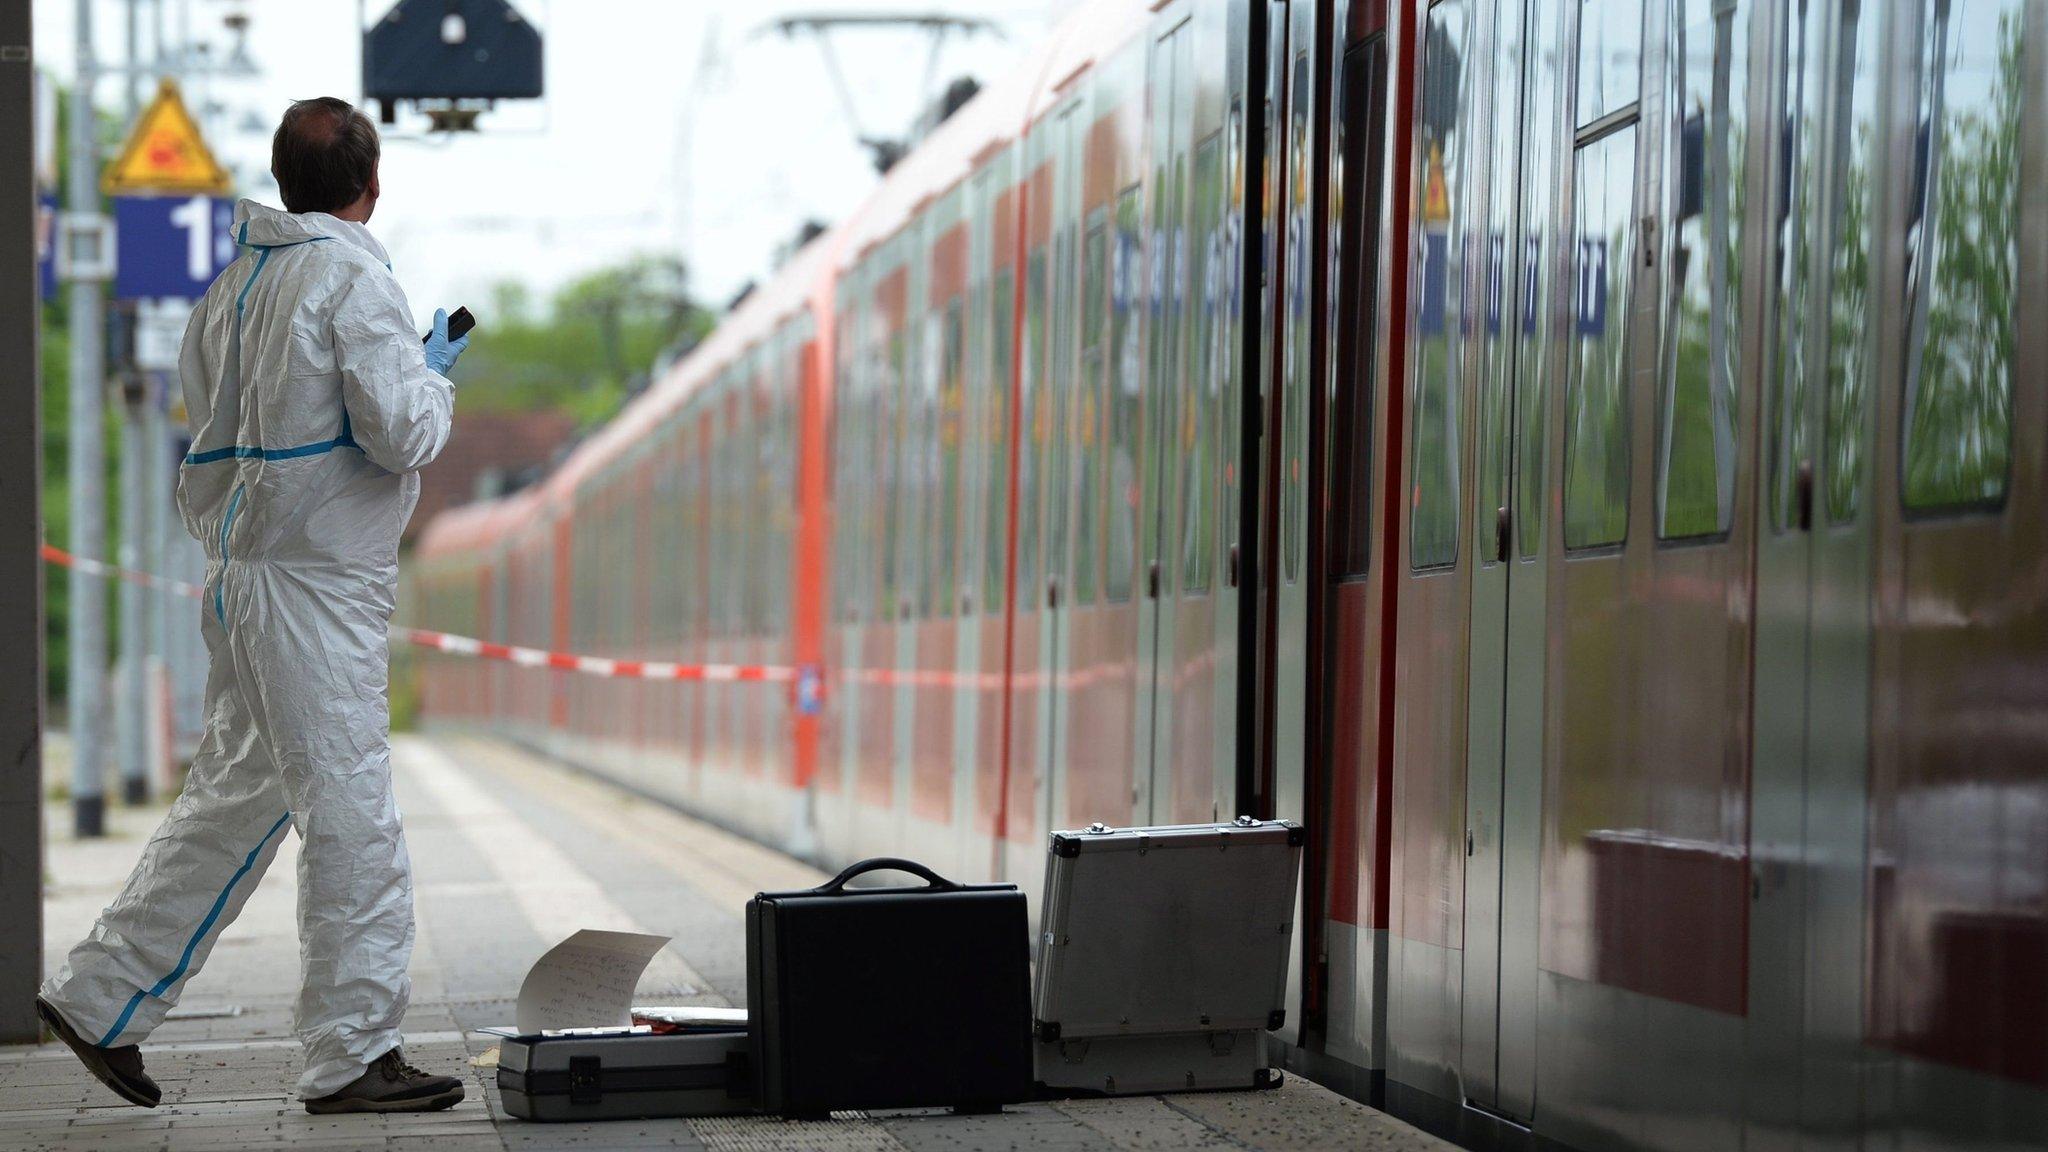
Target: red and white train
{"type": "Point", "coordinates": [1581, 459]}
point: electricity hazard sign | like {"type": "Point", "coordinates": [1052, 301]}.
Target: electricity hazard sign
{"type": "Point", "coordinates": [165, 152]}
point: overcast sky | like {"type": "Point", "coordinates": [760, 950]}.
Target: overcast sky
{"type": "Point", "coordinates": [633, 149]}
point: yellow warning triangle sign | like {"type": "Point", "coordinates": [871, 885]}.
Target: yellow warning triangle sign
{"type": "Point", "coordinates": [165, 152]}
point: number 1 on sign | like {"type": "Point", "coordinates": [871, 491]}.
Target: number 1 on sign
{"type": "Point", "coordinates": [195, 216]}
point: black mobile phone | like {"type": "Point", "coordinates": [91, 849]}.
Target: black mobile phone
{"type": "Point", "coordinates": [459, 324]}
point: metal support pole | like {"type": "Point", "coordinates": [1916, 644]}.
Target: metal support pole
{"type": "Point", "coordinates": [21, 535]}
{"type": "Point", "coordinates": [131, 703]}
{"type": "Point", "coordinates": [88, 467]}
{"type": "Point", "coordinates": [131, 730]}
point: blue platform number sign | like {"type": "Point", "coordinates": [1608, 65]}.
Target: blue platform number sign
{"type": "Point", "coordinates": [171, 246]}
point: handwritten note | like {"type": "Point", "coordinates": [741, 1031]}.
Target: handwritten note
{"type": "Point", "coordinates": [585, 981]}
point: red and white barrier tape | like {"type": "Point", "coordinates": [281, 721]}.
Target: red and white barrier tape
{"type": "Point", "coordinates": [597, 665]}
{"type": "Point", "coordinates": [90, 567]}
{"type": "Point", "coordinates": [485, 649]}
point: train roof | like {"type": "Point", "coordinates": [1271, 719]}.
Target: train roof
{"type": "Point", "coordinates": [994, 118]}
{"type": "Point", "coordinates": [469, 526]}
{"type": "Point", "coordinates": [997, 116]}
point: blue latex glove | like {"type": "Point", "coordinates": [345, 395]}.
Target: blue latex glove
{"type": "Point", "coordinates": [441, 351]}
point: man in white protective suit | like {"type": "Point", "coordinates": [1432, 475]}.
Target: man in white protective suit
{"type": "Point", "coordinates": [313, 405]}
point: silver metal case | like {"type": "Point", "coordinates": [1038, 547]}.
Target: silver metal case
{"type": "Point", "coordinates": [1162, 958]}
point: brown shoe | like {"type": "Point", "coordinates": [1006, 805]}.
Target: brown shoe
{"type": "Point", "coordinates": [117, 1068]}
{"type": "Point", "coordinates": [389, 1084]}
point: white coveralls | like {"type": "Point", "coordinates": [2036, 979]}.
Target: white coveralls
{"type": "Point", "coordinates": [312, 408]}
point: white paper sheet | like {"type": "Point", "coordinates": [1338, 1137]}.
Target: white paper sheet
{"type": "Point", "coordinates": [585, 981]}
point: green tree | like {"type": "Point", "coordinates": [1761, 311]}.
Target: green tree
{"type": "Point", "coordinates": [599, 341]}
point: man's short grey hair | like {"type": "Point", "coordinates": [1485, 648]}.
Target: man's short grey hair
{"type": "Point", "coordinates": [323, 155]}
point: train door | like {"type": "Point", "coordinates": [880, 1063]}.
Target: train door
{"type": "Point", "coordinates": [1507, 184]}
{"type": "Point", "coordinates": [1193, 726]}
{"type": "Point", "coordinates": [1050, 388]}
{"type": "Point", "coordinates": [1898, 589]}
{"type": "Point", "coordinates": [1292, 228]}
{"type": "Point", "coordinates": [1169, 398]}
{"type": "Point", "coordinates": [1349, 678]}
{"type": "Point", "coordinates": [1069, 370]}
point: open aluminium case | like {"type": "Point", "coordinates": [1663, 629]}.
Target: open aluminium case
{"type": "Point", "coordinates": [1162, 957]}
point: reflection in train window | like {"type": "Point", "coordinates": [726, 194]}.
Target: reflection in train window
{"type": "Point", "coordinates": [1798, 151]}
{"type": "Point", "coordinates": [1090, 413]}
{"type": "Point", "coordinates": [1296, 379]}
{"type": "Point", "coordinates": [1439, 312]}
{"type": "Point", "coordinates": [1699, 336]}
{"type": "Point", "coordinates": [1126, 380]}
{"type": "Point", "coordinates": [1202, 396]}
{"type": "Point", "coordinates": [1610, 57]}
{"type": "Point", "coordinates": [1596, 400]}
{"type": "Point", "coordinates": [1962, 244]}
{"type": "Point", "coordinates": [1849, 283]}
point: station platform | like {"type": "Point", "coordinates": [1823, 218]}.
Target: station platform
{"type": "Point", "coordinates": [510, 854]}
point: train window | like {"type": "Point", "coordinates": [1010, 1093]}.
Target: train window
{"type": "Point", "coordinates": [893, 408]}
{"type": "Point", "coordinates": [1361, 186]}
{"type": "Point", "coordinates": [1962, 256]}
{"type": "Point", "coordinates": [1699, 337]}
{"type": "Point", "coordinates": [1596, 398]}
{"type": "Point", "coordinates": [996, 427]}
{"type": "Point", "coordinates": [1434, 419]}
{"type": "Point", "coordinates": [1850, 282]}
{"type": "Point", "coordinates": [1090, 413]}
{"type": "Point", "coordinates": [1057, 388]}
{"type": "Point", "coordinates": [1786, 422]}
{"type": "Point", "coordinates": [1230, 258]}
{"type": "Point", "coordinates": [1610, 57]}
{"type": "Point", "coordinates": [945, 538]}
{"type": "Point", "coordinates": [1204, 397]}
{"type": "Point", "coordinates": [1033, 440]}
{"type": "Point", "coordinates": [843, 500]}
{"type": "Point", "coordinates": [1126, 383]}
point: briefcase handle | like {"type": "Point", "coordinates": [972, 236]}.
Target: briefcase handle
{"type": "Point", "coordinates": [885, 864]}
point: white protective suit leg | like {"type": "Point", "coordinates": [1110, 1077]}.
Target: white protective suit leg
{"type": "Point", "coordinates": [316, 667]}
{"type": "Point", "coordinates": [195, 874]}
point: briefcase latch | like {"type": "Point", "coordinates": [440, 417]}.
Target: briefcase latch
{"type": "Point", "coordinates": [586, 1079]}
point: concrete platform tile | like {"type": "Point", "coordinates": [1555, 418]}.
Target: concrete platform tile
{"type": "Point", "coordinates": [1143, 1124]}
{"type": "Point", "coordinates": [771, 1134]}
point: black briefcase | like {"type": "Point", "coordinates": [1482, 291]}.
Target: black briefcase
{"type": "Point", "coordinates": [889, 997]}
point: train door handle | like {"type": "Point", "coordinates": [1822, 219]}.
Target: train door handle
{"type": "Point", "coordinates": [1503, 523]}
{"type": "Point", "coordinates": [1230, 569]}
{"type": "Point", "coordinates": [1805, 495]}
{"type": "Point", "coordinates": [967, 604]}
{"type": "Point", "coordinates": [1052, 592]}
{"type": "Point", "coordinates": [1152, 580]}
